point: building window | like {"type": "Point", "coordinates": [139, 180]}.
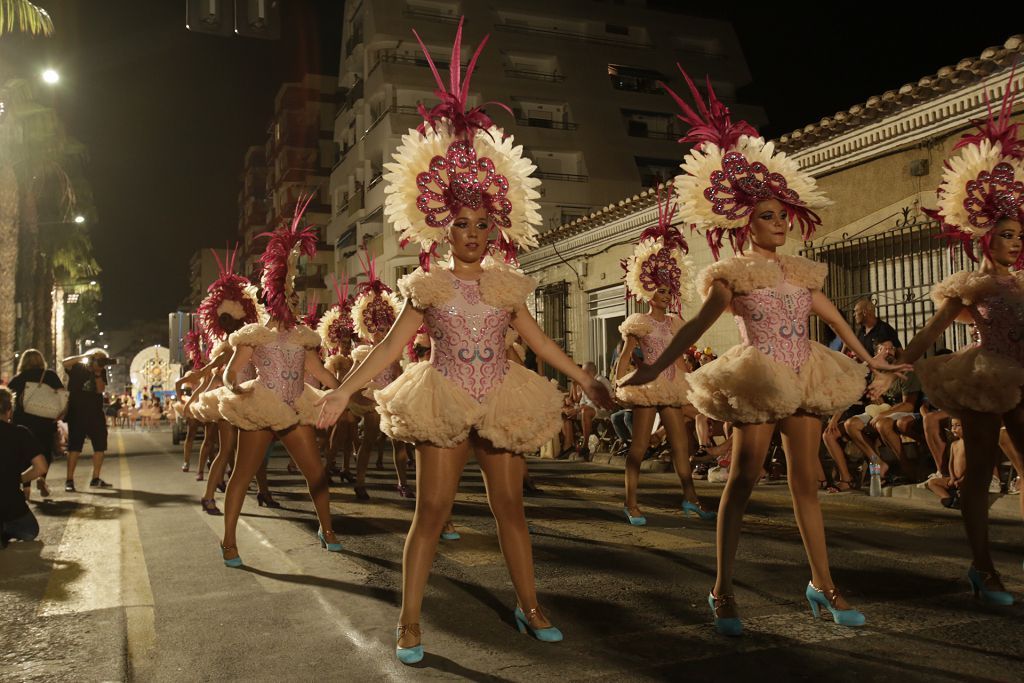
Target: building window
{"type": "Point", "coordinates": [552, 307]}
{"type": "Point", "coordinates": [635, 78]}
{"type": "Point", "coordinates": [650, 124]}
{"type": "Point", "coordinates": [654, 170]}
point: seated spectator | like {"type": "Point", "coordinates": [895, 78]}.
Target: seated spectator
{"type": "Point", "coordinates": [570, 413]}
{"type": "Point", "coordinates": [852, 424]}
{"type": "Point", "coordinates": [947, 488]}
{"type": "Point", "coordinates": [903, 397]}
{"type": "Point", "coordinates": [622, 423]}
{"type": "Point", "coordinates": [21, 461]}
{"type": "Point", "coordinates": [588, 410]}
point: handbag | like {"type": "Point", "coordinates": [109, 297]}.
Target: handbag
{"type": "Point", "coordinates": [44, 401]}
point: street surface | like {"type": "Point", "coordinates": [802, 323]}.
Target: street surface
{"type": "Point", "coordinates": [127, 584]}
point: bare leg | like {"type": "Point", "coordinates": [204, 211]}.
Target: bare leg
{"type": "Point", "coordinates": [835, 450]}
{"type": "Point", "coordinates": [227, 437]}
{"type": "Point", "coordinates": [251, 446]}
{"type": "Point", "coordinates": [97, 463]}
{"type": "Point", "coordinates": [800, 437]}
{"type": "Point", "coordinates": [981, 443]}
{"type": "Point", "coordinates": [677, 427]}
{"type": "Point", "coordinates": [643, 420]}
{"type": "Point", "coordinates": [437, 479]}
{"type": "Point", "coordinates": [262, 485]}
{"type": "Point", "coordinates": [703, 430]}
{"type": "Point", "coordinates": [503, 477]}
{"type": "Point", "coordinates": [371, 435]}
{"type": "Point", "coordinates": [750, 444]}
{"type": "Point", "coordinates": [887, 430]}
{"type": "Point", "coordinates": [190, 437]}
{"type": "Point", "coordinates": [72, 463]}
{"type": "Point", "coordinates": [301, 444]}
{"type": "Point", "coordinates": [1014, 434]}
{"type": "Point", "coordinates": [206, 451]}
{"type": "Point", "coordinates": [933, 436]}
{"type": "Point", "coordinates": [855, 429]}
{"type": "Point", "coordinates": [401, 451]}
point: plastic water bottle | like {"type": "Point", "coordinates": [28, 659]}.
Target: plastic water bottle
{"type": "Point", "coordinates": [875, 469]}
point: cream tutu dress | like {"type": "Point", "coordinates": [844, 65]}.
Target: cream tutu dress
{"type": "Point", "coordinates": [280, 399]}
{"type": "Point", "coordinates": [985, 377]}
{"type": "Point", "coordinates": [671, 387]}
{"type": "Point", "coordinates": [776, 371]}
{"type": "Point", "coordinates": [469, 383]}
{"type": "Point", "coordinates": [365, 402]}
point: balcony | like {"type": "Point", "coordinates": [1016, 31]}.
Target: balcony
{"type": "Point", "coordinates": [639, 132]}
{"type": "Point", "coordinates": [568, 177]}
{"type": "Point", "coordinates": [355, 39]}
{"type": "Point", "coordinates": [354, 94]}
{"type": "Point", "coordinates": [392, 57]}
{"type": "Point", "coordinates": [423, 13]}
{"type": "Point", "coordinates": [549, 76]}
{"type": "Point", "coordinates": [545, 123]}
{"type": "Point", "coordinates": [573, 35]}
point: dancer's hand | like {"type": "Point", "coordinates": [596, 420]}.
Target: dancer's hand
{"type": "Point", "coordinates": [239, 389]}
{"type": "Point", "coordinates": [832, 429]}
{"type": "Point", "coordinates": [642, 375]}
{"type": "Point", "coordinates": [332, 405]}
{"type": "Point", "coordinates": [880, 384]}
{"type": "Point", "coordinates": [599, 394]}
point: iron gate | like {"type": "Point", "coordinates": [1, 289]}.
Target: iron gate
{"type": "Point", "coordinates": [896, 269]}
{"type": "Point", "coordinates": [552, 311]}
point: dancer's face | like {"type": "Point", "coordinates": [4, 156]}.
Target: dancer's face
{"type": "Point", "coordinates": [769, 224]}
{"type": "Point", "coordinates": [662, 298]}
{"type": "Point", "coordinates": [1005, 244]}
{"type": "Point", "coordinates": [468, 234]}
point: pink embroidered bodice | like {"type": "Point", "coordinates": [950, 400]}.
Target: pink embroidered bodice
{"type": "Point", "coordinates": [280, 367]}
{"type": "Point", "coordinates": [1000, 319]}
{"type": "Point", "coordinates": [247, 373]}
{"type": "Point", "coordinates": [468, 340]}
{"type": "Point", "coordinates": [774, 321]}
{"type": "Point", "coordinates": [387, 376]}
{"type": "Point", "coordinates": [653, 344]}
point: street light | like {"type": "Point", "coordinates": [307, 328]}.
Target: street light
{"type": "Point", "coordinates": [79, 219]}
{"type": "Point", "coordinates": [51, 77]}
{"type": "Point", "coordinates": [92, 283]}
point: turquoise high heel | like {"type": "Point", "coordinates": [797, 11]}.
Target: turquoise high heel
{"type": "Point", "coordinates": [635, 521]}
{"type": "Point", "coordinates": [705, 515]}
{"type": "Point", "coordinates": [726, 626]}
{"type": "Point", "coordinates": [331, 547]}
{"type": "Point", "coordinates": [234, 562]}
{"type": "Point", "coordinates": [818, 598]}
{"type": "Point", "coordinates": [988, 597]}
{"type": "Point", "coordinates": [408, 655]}
{"type": "Point", "coordinates": [451, 535]}
{"type": "Point", "coordinates": [547, 635]}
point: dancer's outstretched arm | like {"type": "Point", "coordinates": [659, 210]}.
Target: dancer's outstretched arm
{"type": "Point", "coordinates": [823, 307]}
{"type": "Point", "coordinates": [718, 300]}
{"type": "Point", "coordinates": [948, 311]}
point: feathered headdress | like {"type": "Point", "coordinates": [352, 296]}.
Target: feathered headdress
{"type": "Point", "coordinates": [731, 168]}
{"type": "Point", "coordinates": [312, 317]}
{"type": "Point", "coordinates": [194, 346]}
{"type": "Point", "coordinates": [280, 260]}
{"type": "Point", "coordinates": [457, 158]}
{"type": "Point", "coordinates": [983, 181]}
{"type": "Point", "coordinates": [658, 259]}
{"type": "Point", "coordinates": [230, 293]}
{"type": "Point", "coordinates": [376, 308]}
{"type": "Point", "coordinates": [336, 322]}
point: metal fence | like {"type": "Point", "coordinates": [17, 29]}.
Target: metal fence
{"type": "Point", "coordinates": [896, 269]}
{"type": "Point", "coordinates": [552, 311]}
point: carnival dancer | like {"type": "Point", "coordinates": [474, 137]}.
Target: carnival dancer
{"type": "Point", "coordinates": [277, 403]}
{"type": "Point", "coordinates": [454, 180]}
{"type": "Point", "coordinates": [658, 274]}
{"type": "Point", "coordinates": [373, 314]}
{"type": "Point", "coordinates": [184, 387]}
{"type": "Point", "coordinates": [734, 184]}
{"type": "Point", "coordinates": [336, 331]}
{"type": "Point", "coordinates": [231, 303]}
{"type": "Point", "coordinates": [980, 201]}
{"type": "Point", "coordinates": [197, 348]}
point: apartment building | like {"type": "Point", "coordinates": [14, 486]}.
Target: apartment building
{"type": "Point", "coordinates": [580, 76]}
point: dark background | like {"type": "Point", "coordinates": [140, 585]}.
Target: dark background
{"type": "Point", "coordinates": [168, 114]}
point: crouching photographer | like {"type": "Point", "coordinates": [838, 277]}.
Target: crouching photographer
{"type": "Point", "coordinates": [87, 380]}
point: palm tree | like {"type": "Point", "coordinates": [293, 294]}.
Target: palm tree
{"type": "Point", "coordinates": [22, 16]}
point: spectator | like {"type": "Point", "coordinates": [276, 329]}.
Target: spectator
{"type": "Point", "coordinates": [622, 423]}
{"type": "Point", "coordinates": [21, 461]}
{"type": "Point", "coordinates": [588, 410]}
{"type": "Point", "coordinates": [871, 331]}
{"type": "Point", "coordinates": [947, 488]}
{"type": "Point", "coordinates": [32, 370]}
{"type": "Point", "coordinates": [87, 380]}
{"type": "Point", "coordinates": [904, 398]}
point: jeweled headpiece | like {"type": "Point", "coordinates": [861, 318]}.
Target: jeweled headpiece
{"type": "Point", "coordinates": [659, 259]}
{"type": "Point", "coordinates": [280, 264]}
{"type": "Point", "coordinates": [376, 306]}
{"type": "Point", "coordinates": [458, 158]}
{"type": "Point", "coordinates": [336, 322]}
{"type": "Point", "coordinates": [983, 181]}
{"type": "Point", "coordinates": [730, 169]}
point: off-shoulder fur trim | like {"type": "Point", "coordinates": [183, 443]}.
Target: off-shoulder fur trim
{"type": "Point", "coordinates": [255, 334]}
{"type": "Point", "coordinates": [638, 325]}
{"type": "Point", "coordinates": [967, 286]}
{"type": "Point", "coordinates": [745, 273]}
{"type": "Point", "coordinates": [505, 288]}
{"type": "Point", "coordinates": [425, 289]}
{"type": "Point", "coordinates": [222, 346]}
{"type": "Point", "coordinates": [360, 353]}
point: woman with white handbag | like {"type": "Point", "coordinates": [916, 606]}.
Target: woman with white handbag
{"type": "Point", "coordinates": [40, 400]}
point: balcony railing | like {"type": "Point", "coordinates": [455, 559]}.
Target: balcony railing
{"type": "Point", "coordinates": [574, 35]}
{"type": "Point", "coordinates": [549, 76]}
{"type": "Point", "coordinates": [569, 177]}
{"type": "Point", "coordinates": [374, 180]}
{"type": "Point", "coordinates": [545, 123]}
{"type": "Point", "coordinates": [355, 39]}
{"type": "Point", "coordinates": [391, 57]}
{"type": "Point", "coordinates": [652, 134]}
{"type": "Point", "coordinates": [429, 16]}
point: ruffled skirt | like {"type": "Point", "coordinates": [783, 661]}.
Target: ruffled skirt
{"type": "Point", "coordinates": [972, 379]}
{"type": "Point", "coordinates": [206, 407]}
{"type": "Point", "coordinates": [660, 392]}
{"type": "Point", "coordinates": [422, 405]}
{"type": "Point", "coordinates": [262, 409]}
{"type": "Point", "coordinates": [745, 386]}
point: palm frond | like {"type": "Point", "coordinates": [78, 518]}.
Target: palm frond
{"type": "Point", "coordinates": [22, 16]}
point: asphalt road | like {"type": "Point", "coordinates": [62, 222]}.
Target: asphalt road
{"type": "Point", "coordinates": [127, 584]}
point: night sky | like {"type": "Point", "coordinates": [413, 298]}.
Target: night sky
{"type": "Point", "coordinates": [168, 114]}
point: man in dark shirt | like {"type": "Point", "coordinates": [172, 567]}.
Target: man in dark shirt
{"type": "Point", "coordinates": [870, 330]}
{"type": "Point", "coordinates": [21, 461]}
{"type": "Point", "coordinates": [87, 380]}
